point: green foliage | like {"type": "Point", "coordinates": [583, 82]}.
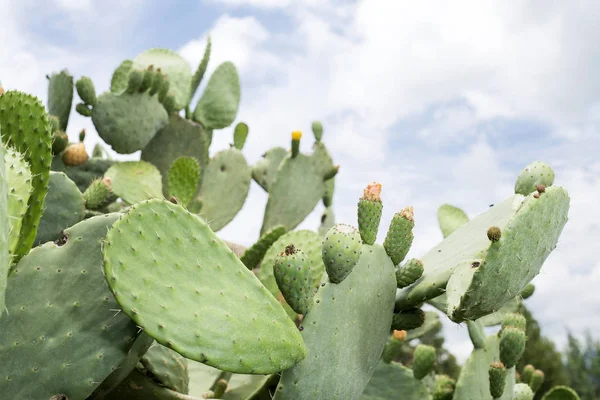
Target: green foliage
{"type": "Point", "coordinates": [582, 366]}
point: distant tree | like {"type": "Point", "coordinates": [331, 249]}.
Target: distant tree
{"type": "Point", "coordinates": [583, 366]}
{"type": "Point", "coordinates": [542, 354]}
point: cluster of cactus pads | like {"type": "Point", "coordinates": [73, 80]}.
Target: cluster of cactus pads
{"type": "Point", "coordinates": [115, 285]}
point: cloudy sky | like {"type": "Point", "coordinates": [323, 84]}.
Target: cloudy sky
{"type": "Point", "coordinates": [441, 103]}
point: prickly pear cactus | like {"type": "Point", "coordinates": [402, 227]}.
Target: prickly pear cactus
{"type": "Point", "coordinates": [4, 227]}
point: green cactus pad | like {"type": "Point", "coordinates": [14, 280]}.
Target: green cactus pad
{"type": "Point", "coordinates": [98, 194]}
{"type": "Point", "coordinates": [86, 90]}
{"type": "Point", "coordinates": [296, 190]}
{"type": "Point", "coordinates": [120, 78]}
{"type": "Point", "coordinates": [536, 173]}
{"type": "Point", "coordinates": [476, 333]}
{"type": "Point", "coordinates": [83, 175]}
{"type": "Point", "coordinates": [408, 274]}
{"type": "Point", "coordinates": [522, 391]}
{"type": "Point", "coordinates": [392, 380]}
{"type": "Point", "coordinates": [341, 358]}
{"type": "Point", "coordinates": [450, 218]}
{"type": "Point", "coordinates": [60, 96]}
{"type": "Point", "coordinates": [199, 74]}
{"type": "Point", "coordinates": [497, 373]}
{"type": "Point", "coordinates": [194, 281]}
{"type": "Point", "coordinates": [423, 361]}
{"type": "Point", "coordinates": [64, 207]}
{"type": "Point", "coordinates": [135, 181]}
{"type": "Point", "coordinates": [293, 274]}
{"type": "Point", "coordinates": [512, 345]}
{"type": "Point", "coordinates": [175, 67]}
{"type": "Point", "coordinates": [240, 134]}
{"type": "Point", "coordinates": [18, 178]}
{"type": "Point", "coordinates": [180, 138]}
{"type": "Point", "coordinates": [25, 127]}
{"type": "Point", "coordinates": [4, 228]}
{"type": "Point", "coordinates": [218, 105]}
{"type": "Point", "coordinates": [127, 122]}
{"type": "Point", "coordinates": [474, 382]}
{"type": "Point", "coordinates": [406, 320]}
{"type": "Point", "coordinates": [166, 367]}
{"type": "Point", "coordinates": [508, 265]}
{"type": "Point", "coordinates": [399, 237]}
{"type": "Point", "coordinates": [308, 241]}
{"type": "Point", "coordinates": [327, 221]}
{"type": "Point", "coordinates": [561, 393]}
{"type": "Point", "coordinates": [342, 248]}
{"type": "Point", "coordinates": [432, 323]}
{"type": "Point", "coordinates": [183, 178]}
{"type": "Point", "coordinates": [224, 189]}
{"type": "Point", "coordinates": [265, 170]}
{"type": "Point", "coordinates": [62, 330]}
{"type": "Point", "coordinates": [255, 253]}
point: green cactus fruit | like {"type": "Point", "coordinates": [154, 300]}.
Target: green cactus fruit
{"type": "Point", "coordinates": [476, 333]}
{"type": "Point", "coordinates": [399, 237]}
{"type": "Point", "coordinates": [98, 194]}
{"type": "Point", "coordinates": [497, 372]}
{"type": "Point", "coordinates": [180, 138]}
{"type": "Point", "coordinates": [450, 218]}
{"type": "Point", "coordinates": [169, 103]}
{"type": "Point", "coordinates": [522, 391]}
{"type": "Point", "coordinates": [265, 170]}
{"type": "Point", "coordinates": [60, 96]}
{"type": "Point", "coordinates": [561, 393]}
{"type": "Point", "coordinates": [166, 367]}
{"type": "Point", "coordinates": [127, 122]}
{"type": "Point", "coordinates": [342, 248]}
{"type": "Point", "coordinates": [148, 79]}
{"type": "Point", "coordinates": [527, 373]}
{"type": "Point", "coordinates": [514, 320]}
{"type": "Point", "coordinates": [394, 346]}
{"type": "Point", "coordinates": [163, 92]}
{"type": "Point", "coordinates": [536, 173]}
{"type": "Point", "coordinates": [296, 190]}
{"type": "Point", "coordinates": [175, 67]}
{"type": "Point", "coordinates": [83, 175]}
{"type": "Point", "coordinates": [158, 80]}
{"type": "Point", "coordinates": [4, 226]}
{"type": "Point", "coordinates": [537, 379]}
{"type": "Point", "coordinates": [62, 329]}
{"type": "Point", "coordinates": [184, 274]}
{"type": "Point", "coordinates": [120, 77]}
{"type": "Point", "coordinates": [317, 128]}
{"type": "Point", "coordinates": [254, 254]}
{"type": "Point", "coordinates": [25, 127]}
{"type": "Point", "coordinates": [293, 274]}
{"type": "Point", "coordinates": [512, 345]}
{"type": "Point", "coordinates": [64, 207]}
{"type": "Point", "coordinates": [135, 181]}
{"type": "Point", "coordinates": [369, 213]}
{"type": "Point", "coordinates": [444, 388]}
{"type": "Point", "coordinates": [329, 189]}
{"type": "Point", "coordinates": [424, 360]}
{"type": "Point", "coordinates": [86, 91]}
{"type": "Point", "coordinates": [183, 178]}
{"type": "Point", "coordinates": [54, 123]}
{"type": "Point", "coordinates": [408, 319]}
{"type": "Point", "coordinates": [341, 358]}
{"type": "Point", "coordinates": [225, 186]}
{"type": "Point", "coordinates": [135, 79]}
{"type": "Point", "coordinates": [409, 273]}
{"type": "Point", "coordinates": [18, 180]}
{"type": "Point", "coordinates": [392, 381]}
{"type": "Point", "coordinates": [240, 134]}
{"type": "Point", "coordinates": [199, 74]}
{"type": "Point", "coordinates": [327, 221]}
{"type": "Point", "coordinates": [60, 141]}
{"type": "Point", "coordinates": [528, 291]}
{"type": "Point", "coordinates": [218, 105]}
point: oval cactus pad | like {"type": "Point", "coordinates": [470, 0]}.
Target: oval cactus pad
{"type": "Point", "coordinates": [175, 278]}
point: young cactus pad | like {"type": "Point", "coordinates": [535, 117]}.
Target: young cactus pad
{"type": "Point", "coordinates": [265, 169]}
{"type": "Point", "coordinates": [196, 282]}
{"type": "Point", "coordinates": [135, 181]}
{"type": "Point", "coordinates": [536, 173]}
{"type": "Point", "coordinates": [451, 218]}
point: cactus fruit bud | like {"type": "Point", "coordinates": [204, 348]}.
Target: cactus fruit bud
{"type": "Point", "coordinates": [317, 128]}
{"type": "Point", "coordinates": [393, 347]}
{"type": "Point", "coordinates": [148, 79]}
{"type": "Point", "coordinates": [497, 373]}
{"type": "Point", "coordinates": [369, 213]}
{"type": "Point", "coordinates": [409, 273]}
{"type": "Point", "coordinates": [342, 248]}
{"type": "Point", "coordinates": [84, 110]}
{"type": "Point", "coordinates": [98, 194]}
{"type": "Point", "coordinates": [86, 91]}
{"type": "Point", "coordinates": [54, 123]}
{"type": "Point", "coordinates": [444, 388]}
{"type": "Point", "coordinates": [400, 236]}
{"type": "Point", "coordinates": [240, 134]}
{"type": "Point", "coordinates": [536, 173]}
{"type": "Point", "coordinates": [136, 77]}
{"type": "Point", "coordinates": [528, 291]}
{"type": "Point", "coordinates": [537, 379]}
{"type": "Point", "coordinates": [296, 135]}
{"type": "Point", "coordinates": [220, 388]}
{"type": "Point", "coordinates": [515, 320]}
{"type": "Point", "coordinates": [60, 141]}
{"type": "Point", "coordinates": [157, 82]}
{"type": "Point", "coordinates": [541, 188]}
{"type": "Point", "coordinates": [75, 154]}
{"type": "Point", "coordinates": [494, 233]}
{"type": "Point", "coordinates": [169, 103]}
{"type": "Point", "coordinates": [164, 90]}
{"type": "Point", "coordinates": [512, 345]}
{"type": "Point", "coordinates": [408, 319]}
{"type": "Point", "coordinates": [424, 360]}
{"type": "Point", "coordinates": [293, 275]}
{"type": "Point", "coordinates": [527, 373]}
{"type": "Point", "coordinates": [522, 391]}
